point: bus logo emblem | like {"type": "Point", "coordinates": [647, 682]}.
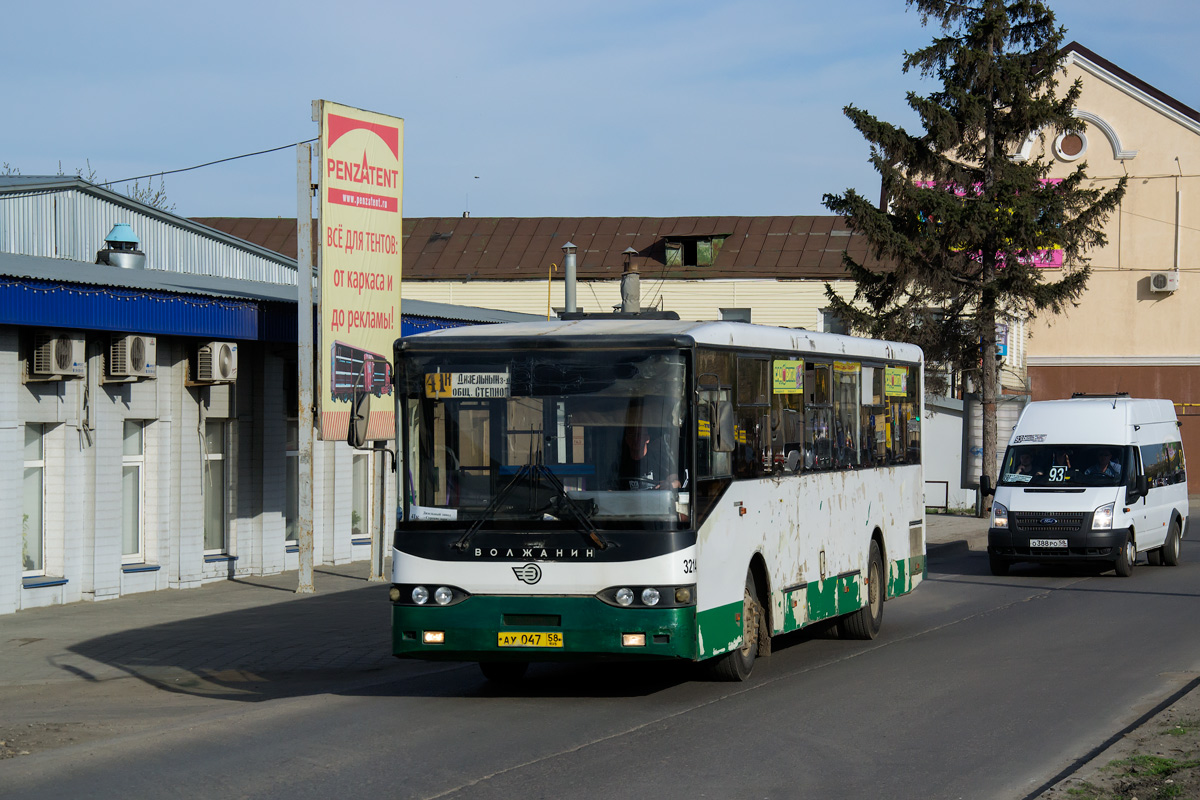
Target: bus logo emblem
{"type": "Point", "coordinates": [530, 573]}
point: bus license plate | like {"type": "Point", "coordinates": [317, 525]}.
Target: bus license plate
{"type": "Point", "coordinates": [529, 639]}
{"type": "Point", "coordinates": [1047, 542]}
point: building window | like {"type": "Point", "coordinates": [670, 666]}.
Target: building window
{"type": "Point", "coordinates": [133, 463]}
{"type": "Point", "coordinates": [215, 486]}
{"type": "Point", "coordinates": [832, 323]}
{"type": "Point", "coordinates": [360, 492]}
{"type": "Point", "coordinates": [698, 251]}
{"type": "Point", "coordinates": [1070, 146]}
{"type": "Point", "coordinates": [33, 539]}
{"type": "Point", "coordinates": [292, 470]}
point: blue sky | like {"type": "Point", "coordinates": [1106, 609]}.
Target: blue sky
{"type": "Point", "coordinates": [525, 108]}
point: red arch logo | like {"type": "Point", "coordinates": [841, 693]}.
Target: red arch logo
{"type": "Point", "coordinates": [340, 126]}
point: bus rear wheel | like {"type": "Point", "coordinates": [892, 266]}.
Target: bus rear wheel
{"type": "Point", "coordinates": [866, 622]}
{"type": "Point", "coordinates": [737, 664]}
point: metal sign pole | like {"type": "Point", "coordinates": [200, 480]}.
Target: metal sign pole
{"type": "Point", "coordinates": [304, 340]}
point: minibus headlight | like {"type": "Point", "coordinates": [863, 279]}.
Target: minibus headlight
{"type": "Point", "coordinates": [1102, 518]}
{"type": "Point", "coordinates": [999, 516]}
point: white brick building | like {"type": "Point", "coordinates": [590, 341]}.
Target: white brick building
{"type": "Point", "coordinates": [111, 484]}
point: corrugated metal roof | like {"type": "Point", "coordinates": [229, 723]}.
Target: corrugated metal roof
{"type": "Point", "coordinates": [61, 217]}
{"type": "Point", "coordinates": [511, 248]}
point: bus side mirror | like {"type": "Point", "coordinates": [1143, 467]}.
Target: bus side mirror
{"type": "Point", "coordinates": [985, 485]}
{"type": "Point", "coordinates": [723, 443]}
{"type": "Point", "coordinates": [360, 415]}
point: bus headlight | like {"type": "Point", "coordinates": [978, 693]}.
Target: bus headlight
{"type": "Point", "coordinates": [1102, 518]}
{"type": "Point", "coordinates": [443, 596]}
{"type": "Point", "coordinates": [625, 596]}
{"type": "Point", "coordinates": [394, 594]}
{"type": "Point", "coordinates": [420, 595]}
{"type": "Point", "coordinates": [999, 516]}
{"type": "Point", "coordinates": [650, 596]}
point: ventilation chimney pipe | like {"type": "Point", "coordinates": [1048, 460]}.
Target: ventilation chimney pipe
{"type": "Point", "coordinates": [569, 266]}
{"type": "Point", "coordinates": [631, 285]}
{"type": "Point", "coordinates": [122, 250]}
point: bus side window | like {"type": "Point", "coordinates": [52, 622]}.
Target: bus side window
{"type": "Point", "coordinates": [818, 422]}
{"type": "Point", "coordinates": [845, 413]}
{"type": "Point", "coordinates": [873, 442]}
{"type": "Point", "coordinates": [752, 452]}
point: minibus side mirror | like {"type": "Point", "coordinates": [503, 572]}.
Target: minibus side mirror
{"type": "Point", "coordinates": [1138, 489]}
{"type": "Point", "coordinates": [985, 485]}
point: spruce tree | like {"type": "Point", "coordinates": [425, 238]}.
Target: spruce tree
{"type": "Point", "coordinates": [963, 223]}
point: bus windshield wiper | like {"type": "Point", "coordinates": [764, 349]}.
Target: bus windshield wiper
{"type": "Point", "coordinates": [534, 472]}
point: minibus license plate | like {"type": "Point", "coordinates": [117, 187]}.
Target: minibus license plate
{"type": "Point", "coordinates": [529, 639]}
{"type": "Point", "coordinates": [1047, 542]}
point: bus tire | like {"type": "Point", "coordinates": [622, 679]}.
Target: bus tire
{"type": "Point", "coordinates": [504, 673]}
{"type": "Point", "coordinates": [1171, 555]}
{"type": "Point", "coordinates": [737, 664]}
{"type": "Point", "coordinates": [866, 622]}
{"type": "Point", "coordinates": [1126, 558]}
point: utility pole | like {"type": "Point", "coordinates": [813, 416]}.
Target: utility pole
{"type": "Point", "coordinates": [304, 363]}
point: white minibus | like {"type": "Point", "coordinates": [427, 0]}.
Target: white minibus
{"type": "Point", "coordinates": [1095, 478]}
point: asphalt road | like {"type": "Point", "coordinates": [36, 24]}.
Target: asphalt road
{"type": "Point", "coordinates": [978, 687]}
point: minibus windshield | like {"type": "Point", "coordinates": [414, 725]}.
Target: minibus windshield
{"type": "Point", "coordinates": [1067, 466]}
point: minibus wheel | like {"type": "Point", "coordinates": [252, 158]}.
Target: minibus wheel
{"type": "Point", "coordinates": [1126, 558]}
{"type": "Point", "coordinates": [997, 565]}
{"type": "Point", "coordinates": [1170, 548]}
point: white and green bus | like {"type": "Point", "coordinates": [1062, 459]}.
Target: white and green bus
{"type": "Point", "coordinates": [646, 488]}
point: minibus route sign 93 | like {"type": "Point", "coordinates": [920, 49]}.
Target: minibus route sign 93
{"type": "Point", "coordinates": [466, 385]}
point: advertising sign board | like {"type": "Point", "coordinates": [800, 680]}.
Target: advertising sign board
{"type": "Point", "coordinates": [361, 236]}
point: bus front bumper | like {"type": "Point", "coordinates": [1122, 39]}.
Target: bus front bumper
{"type": "Point", "coordinates": [496, 628]}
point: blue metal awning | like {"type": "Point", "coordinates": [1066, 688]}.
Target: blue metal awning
{"type": "Point", "coordinates": [25, 301]}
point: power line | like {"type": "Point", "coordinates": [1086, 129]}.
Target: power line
{"type": "Point", "coordinates": [209, 164]}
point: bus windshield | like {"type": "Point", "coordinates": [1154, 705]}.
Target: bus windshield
{"type": "Point", "coordinates": [1066, 466]}
{"type": "Point", "coordinates": [546, 437]}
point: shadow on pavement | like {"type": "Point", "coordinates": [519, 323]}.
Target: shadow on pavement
{"type": "Point", "coordinates": [268, 651]}
{"type": "Point", "coordinates": [335, 643]}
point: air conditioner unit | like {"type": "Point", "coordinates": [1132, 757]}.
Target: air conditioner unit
{"type": "Point", "coordinates": [1164, 281]}
{"type": "Point", "coordinates": [132, 356]}
{"type": "Point", "coordinates": [61, 354]}
{"type": "Point", "coordinates": [216, 362]}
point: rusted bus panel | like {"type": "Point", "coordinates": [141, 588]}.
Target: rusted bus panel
{"type": "Point", "coordinates": [813, 531]}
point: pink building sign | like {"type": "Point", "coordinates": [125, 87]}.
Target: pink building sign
{"type": "Point", "coordinates": [1051, 258]}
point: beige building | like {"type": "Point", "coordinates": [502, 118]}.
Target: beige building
{"type": "Point", "coordinates": [1135, 329]}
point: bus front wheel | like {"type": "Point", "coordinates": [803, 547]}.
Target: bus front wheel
{"type": "Point", "coordinates": [737, 664]}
